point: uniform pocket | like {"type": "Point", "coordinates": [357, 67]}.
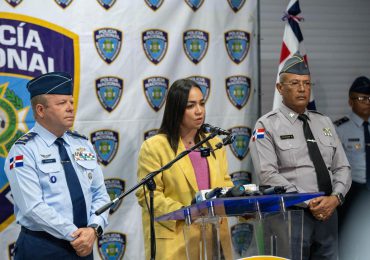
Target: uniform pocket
{"type": "Point", "coordinates": [287, 152]}
{"type": "Point", "coordinates": [327, 148]}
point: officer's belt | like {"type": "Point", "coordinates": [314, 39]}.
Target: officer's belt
{"type": "Point", "coordinates": [44, 235]}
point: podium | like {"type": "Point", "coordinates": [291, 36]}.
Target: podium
{"type": "Point", "coordinates": [235, 228]}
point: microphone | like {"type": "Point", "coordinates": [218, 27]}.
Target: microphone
{"type": "Point", "coordinates": [214, 129]}
{"type": "Point", "coordinates": [236, 191]}
{"type": "Point", "coordinates": [216, 192]}
{"type": "Point", "coordinates": [228, 139]}
{"type": "Point", "coordinates": [272, 190]}
{"type": "Point", "coordinates": [203, 195]}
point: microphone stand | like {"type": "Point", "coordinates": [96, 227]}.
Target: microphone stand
{"type": "Point", "coordinates": [149, 182]}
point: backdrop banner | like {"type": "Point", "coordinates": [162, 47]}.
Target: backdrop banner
{"type": "Point", "coordinates": [124, 55]}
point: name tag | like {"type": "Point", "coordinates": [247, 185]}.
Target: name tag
{"type": "Point", "coordinates": [283, 137]}
{"type": "Point", "coordinates": [48, 161]}
{"type": "Point", "coordinates": [353, 139]}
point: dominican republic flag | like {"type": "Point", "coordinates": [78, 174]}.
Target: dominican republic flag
{"type": "Point", "coordinates": [16, 161]}
{"type": "Point", "coordinates": [292, 42]}
{"type": "Point", "coordinates": [258, 133]}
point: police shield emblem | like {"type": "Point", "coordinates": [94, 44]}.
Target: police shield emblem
{"type": "Point", "coordinates": [114, 188]}
{"type": "Point", "coordinates": [241, 237]}
{"type": "Point", "coordinates": [155, 89]}
{"type": "Point", "coordinates": [242, 137]}
{"type": "Point", "coordinates": [109, 92]}
{"type": "Point", "coordinates": [154, 4]}
{"type": "Point", "coordinates": [106, 145]}
{"type": "Point", "coordinates": [194, 4]}
{"type": "Point", "coordinates": [150, 133]}
{"type": "Point", "coordinates": [236, 5]}
{"type": "Point", "coordinates": [63, 3]}
{"type": "Point", "coordinates": [238, 90]}
{"type": "Point", "coordinates": [106, 3]}
{"type": "Point", "coordinates": [112, 245]}
{"type": "Point", "coordinates": [195, 45]}
{"type": "Point", "coordinates": [14, 3]}
{"type": "Point", "coordinates": [108, 43]}
{"type": "Point", "coordinates": [155, 44]}
{"type": "Point", "coordinates": [237, 45]}
{"type": "Point", "coordinates": [204, 83]}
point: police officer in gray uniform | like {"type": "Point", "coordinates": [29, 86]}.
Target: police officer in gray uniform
{"type": "Point", "coordinates": [300, 150]}
{"type": "Point", "coordinates": [353, 130]}
{"type": "Point", "coordinates": [55, 179]}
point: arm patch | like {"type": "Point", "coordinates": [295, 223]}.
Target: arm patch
{"type": "Point", "coordinates": [76, 134]}
{"type": "Point", "coordinates": [25, 138]}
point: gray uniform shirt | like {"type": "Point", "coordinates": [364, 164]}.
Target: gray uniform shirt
{"type": "Point", "coordinates": [351, 133]}
{"type": "Point", "coordinates": [280, 154]}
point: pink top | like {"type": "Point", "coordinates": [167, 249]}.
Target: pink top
{"type": "Point", "coordinates": [200, 165]}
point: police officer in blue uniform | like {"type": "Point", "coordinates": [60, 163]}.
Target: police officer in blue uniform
{"type": "Point", "coordinates": [353, 130]}
{"type": "Point", "coordinates": [55, 179]}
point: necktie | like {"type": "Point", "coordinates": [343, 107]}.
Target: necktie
{"type": "Point", "coordinates": [322, 173]}
{"type": "Point", "coordinates": [367, 152]}
{"type": "Point", "coordinates": [74, 187]}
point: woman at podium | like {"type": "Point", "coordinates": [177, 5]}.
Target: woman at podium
{"type": "Point", "coordinates": [180, 129]}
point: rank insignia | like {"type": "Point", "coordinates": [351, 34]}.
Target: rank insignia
{"type": "Point", "coordinates": [327, 131]}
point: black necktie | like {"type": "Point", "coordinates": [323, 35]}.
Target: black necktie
{"type": "Point", "coordinates": [322, 173]}
{"type": "Point", "coordinates": [367, 152]}
{"type": "Point", "coordinates": [74, 186]}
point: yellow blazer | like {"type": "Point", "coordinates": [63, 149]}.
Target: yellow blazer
{"type": "Point", "coordinates": [175, 188]}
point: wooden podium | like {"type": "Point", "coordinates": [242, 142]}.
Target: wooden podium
{"type": "Point", "coordinates": [234, 228]}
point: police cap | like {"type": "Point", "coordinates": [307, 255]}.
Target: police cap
{"type": "Point", "coordinates": [51, 83]}
{"type": "Point", "coordinates": [361, 85]}
{"type": "Point", "coordinates": [295, 65]}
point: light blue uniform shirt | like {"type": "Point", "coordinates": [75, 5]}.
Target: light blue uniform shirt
{"type": "Point", "coordinates": [351, 133]}
{"type": "Point", "coordinates": [39, 188]}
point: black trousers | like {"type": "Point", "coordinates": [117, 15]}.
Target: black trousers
{"type": "Point", "coordinates": [32, 245]}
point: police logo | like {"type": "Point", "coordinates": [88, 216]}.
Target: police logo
{"type": "Point", "coordinates": [194, 4]}
{"type": "Point", "coordinates": [11, 252]}
{"type": "Point", "coordinates": [63, 3]}
{"type": "Point", "coordinates": [155, 44]}
{"type": "Point", "coordinates": [204, 83]}
{"type": "Point", "coordinates": [237, 45]}
{"type": "Point", "coordinates": [115, 187]}
{"type": "Point", "coordinates": [195, 45]}
{"type": "Point", "coordinates": [241, 237]}
{"type": "Point", "coordinates": [241, 177]}
{"type": "Point", "coordinates": [108, 43]}
{"type": "Point", "coordinates": [106, 3]}
{"type": "Point", "coordinates": [109, 92]}
{"type": "Point", "coordinates": [150, 133]}
{"type": "Point", "coordinates": [112, 245]}
{"type": "Point", "coordinates": [242, 137]}
{"type": "Point", "coordinates": [31, 47]}
{"type": "Point", "coordinates": [155, 89]}
{"type": "Point", "coordinates": [106, 145]}
{"type": "Point", "coordinates": [154, 4]}
{"type": "Point", "coordinates": [14, 3]}
{"type": "Point", "coordinates": [238, 90]}
{"type": "Point", "coordinates": [236, 5]}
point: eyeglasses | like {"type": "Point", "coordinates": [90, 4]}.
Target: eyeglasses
{"type": "Point", "coordinates": [297, 84]}
{"type": "Point", "coordinates": [362, 99]}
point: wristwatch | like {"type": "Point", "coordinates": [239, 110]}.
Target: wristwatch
{"type": "Point", "coordinates": [98, 229]}
{"type": "Point", "coordinates": [339, 196]}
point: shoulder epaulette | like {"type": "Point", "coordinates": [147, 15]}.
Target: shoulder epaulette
{"type": "Point", "coordinates": [76, 134]}
{"type": "Point", "coordinates": [25, 138]}
{"type": "Point", "coordinates": [271, 113]}
{"type": "Point", "coordinates": [341, 121]}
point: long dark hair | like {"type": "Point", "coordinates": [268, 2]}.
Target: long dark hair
{"type": "Point", "coordinates": [176, 101]}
